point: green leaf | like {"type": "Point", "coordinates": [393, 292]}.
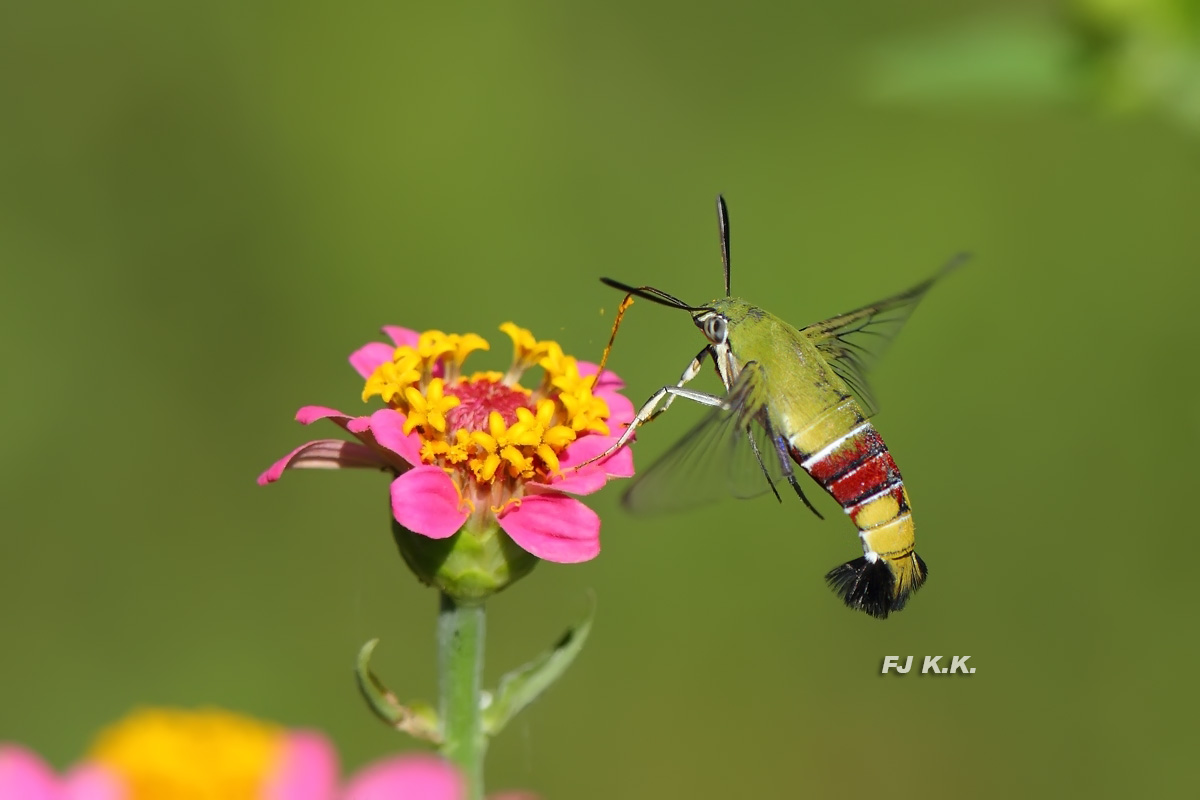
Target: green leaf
{"type": "Point", "coordinates": [416, 719]}
{"type": "Point", "coordinates": [525, 684]}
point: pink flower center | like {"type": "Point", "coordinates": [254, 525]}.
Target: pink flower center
{"type": "Point", "coordinates": [477, 399]}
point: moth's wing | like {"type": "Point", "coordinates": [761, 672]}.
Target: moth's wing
{"type": "Point", "coordinates": [730, 451]}
{"type": "Point", "coordinates": [854, 341]}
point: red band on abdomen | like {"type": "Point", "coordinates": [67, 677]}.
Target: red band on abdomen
{"type": "Point", "coordinates": [849, 454]}
{"type": "Point", "coordinates": [871, 477]}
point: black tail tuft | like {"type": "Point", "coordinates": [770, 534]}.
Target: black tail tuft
{"type": "Point", "coordinates": [872, 586]}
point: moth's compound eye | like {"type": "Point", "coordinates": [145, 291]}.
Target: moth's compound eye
{"type": "Point", "coordinates": [715, 329]}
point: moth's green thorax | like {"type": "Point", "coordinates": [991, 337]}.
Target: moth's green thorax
{"type": "Point", "coordinates": [797, 380]}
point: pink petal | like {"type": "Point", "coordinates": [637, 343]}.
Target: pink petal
{"type": "Point", "coordinates": [414, 777]}
{"type": "Point", "coordinates": [23, 774]}
{"type": "Point", "coordinates": [366, 358]}
{"type": "Point", "coordinates": [609, 380]}
{"type": "Point", "coordinates": [620, 410]}
{"type": "Point", "coordinates": [401, 337]}
{"type": "Point", "coordinates": [93, 782]}
{"type": "Point", "coordinates": [425, 501]}
{"type": "Point", "coordinates": [323, 454]}
{"type": "Point", "coordinates": [308, 769]}
{"type": "Point", "coordinates": [617, 465]}
{"type": "Point", "coordinates": [387, 426]}
{"type": "Point", "coordinates": [584, 481]}
{"type": "Point", "coordinates": [310, 414]}
{"type": "Point", "coordinates": [569, 477]}
{"type": "Point", "coordinates": [553, 527]}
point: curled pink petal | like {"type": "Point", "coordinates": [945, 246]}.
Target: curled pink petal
{"type": "Point", "coordinates": [425, 501]}
{"type": "Point", "coordinates": [387, 426]}
{"type": "Point", "coordinates": [323, 454]}
{"type": "Point", "coordinates": [308, 769]}
{"type": "Point", "coordinates": [553, 527]}
{"type": "Point", "coordinates": [414, 777]}
{"type": "Point", "coordinates": [401, 337]}
{"type": "Point", "coordinates": [310, 414]}
{"type": "Point", "coordinates": [92, 782]}
{"type": "Point", "coordinates": [23, 774]}
{"type": "Point", "coordinates": [366, 358]}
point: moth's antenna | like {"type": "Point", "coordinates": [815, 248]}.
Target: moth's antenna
{"type": "Point", "coordinates": [723, 224]}
{"type": "Point", "coordinates": [650, 293]}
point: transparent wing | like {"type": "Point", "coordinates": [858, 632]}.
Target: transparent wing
{"type": "Point", "coordinates": [730, 451]}
{"type": "Point", "coordinates": [854, 341]}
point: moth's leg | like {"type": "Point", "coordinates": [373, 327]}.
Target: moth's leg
{"type": "Point", "coordinates": [693, 369]}
{"type": "Point", "coordinates": [650, 409]}
{"type": "Point", "coordinates": [789, 472]}
{"type": "Point", "coordinates": [762, 464]}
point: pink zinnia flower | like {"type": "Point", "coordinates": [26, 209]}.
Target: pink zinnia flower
{"type": "Point", "coordinates": [479, 452]}
{"type": "Point", "coordinates": [167, 754]}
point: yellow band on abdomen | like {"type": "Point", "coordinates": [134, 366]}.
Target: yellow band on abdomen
{"type": "Point", "coordinates": [892, 539]}
{"type": "Point", "coordinates": [827, 427]}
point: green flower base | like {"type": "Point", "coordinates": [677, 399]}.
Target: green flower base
{"type": "Point", "coordinates": [470, 566]}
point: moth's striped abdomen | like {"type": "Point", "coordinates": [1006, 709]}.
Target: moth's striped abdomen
{"type": "Point", "coordinates": [857, 470]}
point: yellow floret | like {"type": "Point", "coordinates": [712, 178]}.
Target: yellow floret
{"type": "Point", "coordinates": [557, 364]}
{"type": "Point", "coordinates": [428, 409]}
{"type": "Point", "coordinates": [465, 344]}
{"type": "Point", "coordinates": [527, 350]}
{"type": "Point", "coordinates": [390, 378]}
{"type": "Point", "coordinates": [520, 465]}
{"type": "Point", "coordinates": [585, 412]}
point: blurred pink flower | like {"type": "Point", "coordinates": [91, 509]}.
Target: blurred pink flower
{"type": "Point", "coordinates": [480, 450]}
{"type": "Point", "coordinates": [310, 766]}
{"type": "Point", "coordinates": [24, 776]}
{"type": "Point", "coordinates": [182, 755]}
{"type": "Point", "coordinates": [419, 777]}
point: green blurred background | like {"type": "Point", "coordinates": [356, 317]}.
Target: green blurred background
{"type": "Point", "coordinates": [205, 208]}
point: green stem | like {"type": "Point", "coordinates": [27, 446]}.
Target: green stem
{"type": "Point", "coordinates": [460, 673]}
